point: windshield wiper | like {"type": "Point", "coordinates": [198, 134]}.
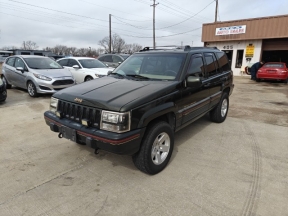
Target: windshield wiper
{"type": "Point", "coordinates": [137, 76]}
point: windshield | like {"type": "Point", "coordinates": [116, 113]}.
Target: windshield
{"type": "Point", "coordinates": [42, 63]}
{"type": "Point", "coordinates": [275, 65]}
{"type": "Point", "coordinates": [154, 66]}
{"type": "Point", "coordinates": [91, 63]}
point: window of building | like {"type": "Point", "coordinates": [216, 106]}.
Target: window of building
{"type": "Point", "coordinates": [223, 61]}
{"type": "Point", "coordinates": [239, 58]}
{"type": "Point", "coordinates": [25, 53]}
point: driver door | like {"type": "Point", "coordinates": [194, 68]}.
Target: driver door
{"type": "Point", "coordinates": [20, 76]}
{"type": "Point", "coordinates": [194, 101]}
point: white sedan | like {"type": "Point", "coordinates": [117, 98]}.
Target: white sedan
{"type": "Point", "coordinates": [84, 68]}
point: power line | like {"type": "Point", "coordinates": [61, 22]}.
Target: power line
{"type": "Point", "coordinates": [55, 17]}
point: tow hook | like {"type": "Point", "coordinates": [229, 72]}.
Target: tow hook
{"type": "Point", "coordinates": [96, 151]}
{"type": "Point", "coordinates": [60, 135]}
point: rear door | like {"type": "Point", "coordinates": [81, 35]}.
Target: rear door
{"type": "Point", "coordinates": [195, 101]}
{"type": "Point", "coordinates": [215, 78]}
{"type": "Point", "coordinates": [9, 70]}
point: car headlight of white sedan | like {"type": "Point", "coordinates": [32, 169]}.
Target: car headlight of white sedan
{"type": "Point", "coordinates": [115, 121]}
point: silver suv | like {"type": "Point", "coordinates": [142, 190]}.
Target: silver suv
{"type": "Point", "coordinates": [37, 74]}
{"type": "Point", "coordinates": [113, 60]}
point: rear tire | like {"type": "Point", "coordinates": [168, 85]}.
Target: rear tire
{"type": "Point", "coordinates": [8, 86]}
{"type": "Point", "coordinates": [31, 88]}
{"type": "Point", "coordinates": [88, 78]}
{"type": "Point", "coordinates": [219, 113]}
{"type": "Point", "coordinates": [156, 149]}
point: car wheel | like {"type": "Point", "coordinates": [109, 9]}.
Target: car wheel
{"type": "Point", "coordinates": [8, 86]}
{"type": "Point", "coordinates": [219, 113]}
{"type": "Point", "coordinates": [31, 88]}
{"type": "Point", "coordinates": [88, 78]}
{"type": "Point", "coordinates": [156, 149]}
{"type": "Point", "coordinates": [4, 93]}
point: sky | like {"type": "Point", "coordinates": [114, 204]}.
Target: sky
{"type": "Point", "coordinates": [83, 23]}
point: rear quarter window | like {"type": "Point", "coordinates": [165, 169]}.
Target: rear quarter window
{"type": "Point", "coordinates": [10, 61]}
{"type": "Point", "coordinates": [223, 61]}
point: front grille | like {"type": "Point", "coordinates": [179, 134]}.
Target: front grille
{"type": "Point", "coordinates": [76, 112]}
{"type": "Point", "coordinates": [63, 82]}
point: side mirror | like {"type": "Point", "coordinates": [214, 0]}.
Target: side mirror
{"type": "Point", "coordinates": [20, 69]}
{"type": "Point", "coordinates": [119, 63]}
{"type": "Point", "coordinates": [109, 72]}
{"type": "Point", "coordinates": [107, 65]}
{"type": "Point", "coordinates": [75, 66]}
{"type": "Point", "coordinates": [194, 82]}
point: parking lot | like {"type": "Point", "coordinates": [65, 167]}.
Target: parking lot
{"type": "Point", "coordinates": [239, 167]}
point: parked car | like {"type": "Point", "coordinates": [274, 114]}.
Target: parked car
{"type": "Point", "coordinates": [37, 74]}
{"type": "Point", "coordinates": [273, 71]}
{"type": "Point", "coordinates": [3, 91]}
{"type": "Point", "coordinates": [137, 108]}
{"type": "Point", "coordinates": [84, 69]}
{"type": "Point", "coordinates": [113, 60]}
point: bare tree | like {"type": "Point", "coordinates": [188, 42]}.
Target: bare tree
{"type": "Point", "coordinates": [9, 47]}
{"type": "Point", "coordinates": [117, 43]}
{"type": "Point", "coordinates": [29, 45]}
{"type": "Point", "coordinates": [131, 48]}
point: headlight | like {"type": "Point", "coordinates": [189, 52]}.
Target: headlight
{"type": "Point", "coordinates": [115, 122]}
{"type": "Point", "coordinates": [99, 76]}
{"type": "Point", "coordinates": [53, 104]}
{"type": "Point", "coordinates": [39, 76]}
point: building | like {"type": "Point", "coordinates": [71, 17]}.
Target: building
{"type": "Point", "coordinates": [249, 40]}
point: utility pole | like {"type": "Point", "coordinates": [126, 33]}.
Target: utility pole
{"type": "Point", "coordinates": [154, 5]}
{"type": "Point", "coordinates": [110, 36]}
{"type": "Point", "coordinates": [216, 11]}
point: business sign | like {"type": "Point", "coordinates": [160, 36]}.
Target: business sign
{"type": "Point", "coordinates": [231, 30]}
{"type": "Point", "coordinates": [249, 50]}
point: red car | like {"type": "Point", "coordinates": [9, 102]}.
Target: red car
{"type": "Point", "coordinates": [273, 71]}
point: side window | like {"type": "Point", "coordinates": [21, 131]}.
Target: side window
{"type": "Point", "coordinates": [223, 61]}
{"type": "Point", "coordinates": [211, 64]}
{"type": "Point", "coordinates": [63, 62]}
{"type": "Point", "coordinates": [116, 59]}
{"type": "Point", "coordinates": [10, 61]}
{"type": "Point", "coordinates": [102, 58]}
{"type": "Point", "coordinates": [72, 62]}
{"type": "Point", "coordinates": [196, 66]}
{"type": "Point", "coordinates": [19, 63]}
{"type": "Point", "coordinates": [108, 58]}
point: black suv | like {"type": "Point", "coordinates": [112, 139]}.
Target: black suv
{"type": "Point", "coordinates": [137, 108]}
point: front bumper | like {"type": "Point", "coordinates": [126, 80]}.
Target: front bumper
{"type": "Point", "coordinates": [125, 143]}
{"type": "Point", "coordinates": [43, 86]}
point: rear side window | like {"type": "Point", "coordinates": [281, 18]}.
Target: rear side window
{"type": "Point", "coordinates": [63, 62]}
{"type": "Point", "coordinates": [223, 61]}
{"type": "Point", "coordinates": [107, 58]}
{"type": "Point", "coordinates": [196, 67]}
{"type": "Point", "coordinates": [10, 61]}
{"type": "Point", "coordinates": [211, 64]}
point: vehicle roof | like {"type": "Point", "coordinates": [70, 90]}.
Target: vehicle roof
{"type": "Point", "coordinates": [77, 58]}
{"type": "Point", "coordinates": [29, 56]}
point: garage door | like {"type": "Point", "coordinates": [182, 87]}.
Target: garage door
{"type": "Point", "coordinates": [275, 50]}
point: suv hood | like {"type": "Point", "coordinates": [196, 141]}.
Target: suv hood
{"type": "Point", "coordinates": [116, 94]}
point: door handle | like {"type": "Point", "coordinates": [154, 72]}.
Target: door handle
{"type": "Point", "coordinates": [207, 85]}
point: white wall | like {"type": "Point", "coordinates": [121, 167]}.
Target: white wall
{"type": "Point", "coordinates": [239, 45]}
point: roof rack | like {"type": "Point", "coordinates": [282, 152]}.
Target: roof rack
{"type": "Point", "coordinates": [186, 48]}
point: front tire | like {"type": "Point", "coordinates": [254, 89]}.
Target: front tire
{"type": "Point", "coordinates": [156, 149]}
{"type": "Point", "coordinates": [88, 78]}
{"type": "Point", "coordinates": [8, 86]}
{"type": "Point", "coordinates": [31, 88]}
{"type": "Point", "coordinates": [219, 113]}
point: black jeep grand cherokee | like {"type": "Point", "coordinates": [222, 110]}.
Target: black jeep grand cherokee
{"type": "Point", "coordinates": [136, 109]}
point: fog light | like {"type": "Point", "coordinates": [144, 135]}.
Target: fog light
{"type": "Point", "coordinates": [85, 122]}
{"type": "Point", "coordinates": [58, 114]}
